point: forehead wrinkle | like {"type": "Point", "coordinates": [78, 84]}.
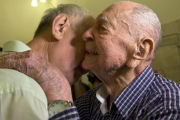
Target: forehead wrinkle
{"type": "Point", "coordinates": [127, 26]}
{"type": "Point", "coordinates": [124, 19]}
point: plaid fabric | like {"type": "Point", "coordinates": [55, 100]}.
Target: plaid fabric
{"type": "Point", "coordinates": [69, 114]}
{"type": "Point", "coordinates": [148, 97]}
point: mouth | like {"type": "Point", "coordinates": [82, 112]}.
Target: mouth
{"type": "Point", "coordinates": [92, 52]}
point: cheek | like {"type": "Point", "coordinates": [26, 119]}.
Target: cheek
{"type": "Point", "coordinates": [79, 55]}
{"type": "Point", "coordinates": [79, 50]}
{"type": "Point", "coordinates": [73, 58]}
{"type": "Point", "coordinates": [68, 56]}
{"type": "Point", "coordinates": [112, 59]}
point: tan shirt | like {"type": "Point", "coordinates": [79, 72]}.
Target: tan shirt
{"type": "Point", "coordinates": [21, 97]}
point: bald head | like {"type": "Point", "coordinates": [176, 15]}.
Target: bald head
{"type": "Point", "coordinates": [125, 4]}
{"type": "Point", "coordinates": [139, 20]}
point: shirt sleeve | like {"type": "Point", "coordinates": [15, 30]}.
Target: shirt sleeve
{"type": "Point", "coordinates": [21, 105]}
{"type": "Point", "coordinates": [68, 114]}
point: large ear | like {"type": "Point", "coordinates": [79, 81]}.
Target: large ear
{"type": "Point", "coordinates": [59, 26]}
{"type": "Point", "coordinates": [142, 51]}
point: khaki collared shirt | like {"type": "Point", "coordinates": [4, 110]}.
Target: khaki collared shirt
{"type": "Point", "coordinates": [21, 97]}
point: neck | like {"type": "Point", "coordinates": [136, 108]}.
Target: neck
{"type": "Point", "coordinates": [116, 82]}
{"type": "Point", "coordinates": [40, 46]}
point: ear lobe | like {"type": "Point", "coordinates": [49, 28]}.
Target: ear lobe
{"type": "Point", "coordinates": [59, 26]}
{"type": "Point", "coordinates": [144, 49]}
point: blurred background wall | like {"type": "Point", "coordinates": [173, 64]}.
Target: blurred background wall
{"type": "Point", "coordinates": [18, 21]}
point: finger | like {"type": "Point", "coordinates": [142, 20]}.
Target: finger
{"type": "Point", "coordinates": [8, 55]}
{"type": "Point", "coordinates": [16, 55]}
{"type": "Point", "coordinates": [10, 60]}
{"type": "Point", "coordinates": [7, 63]}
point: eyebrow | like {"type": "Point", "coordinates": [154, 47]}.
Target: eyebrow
{"type": "Point", "coordinates": [105, 19]}
{"type": "Point", "coordinates": [102, 18]}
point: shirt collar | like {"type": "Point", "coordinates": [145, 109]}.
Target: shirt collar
{"type": "Point", "coordinates": [101, 95]}
{"type": "Point", "coordinates": [15, 46]}
{"type": "Point", "coordinates": [131, 96]}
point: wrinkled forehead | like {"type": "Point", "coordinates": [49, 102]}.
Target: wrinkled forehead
{"type": "Point", "coordinates": [107, 14]}
{"type": "Point", "coordinates": [112, 11]}
{"type": "Point", "coordinates": [112, 16]}
{"type": "Point", "coordinates": [121, 7]}
{"type": "Point", "coordinates": [117, 18]}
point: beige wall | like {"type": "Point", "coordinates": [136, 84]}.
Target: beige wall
{"type": "Point", "coordinates": [94, 6]}
{"type": "Point", "coordinates": [18, 19]}
{"type": "Point", "coordinates": [167, 10]}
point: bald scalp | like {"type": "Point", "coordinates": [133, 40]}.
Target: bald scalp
{"type": "Point", "coordinates": [139, 20]}
{"type": "Point", "coordinates": [126, 4]}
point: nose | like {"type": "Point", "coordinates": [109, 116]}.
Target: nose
{"type": "Point", "coordinates": [88, 35]}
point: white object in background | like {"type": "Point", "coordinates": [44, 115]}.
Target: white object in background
{"type": "Point", "coordinates": [43, 0]}
{"type": "Point", "coordinates": [34, 3]}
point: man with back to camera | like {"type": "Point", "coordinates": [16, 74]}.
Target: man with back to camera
{"type": "Point", "coordinates": [120, 47]}
{"type": "Point", "coordinates": [58, 39]}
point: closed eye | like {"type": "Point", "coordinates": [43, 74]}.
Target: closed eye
{"type": "Point", "coordinates": [102, 30]}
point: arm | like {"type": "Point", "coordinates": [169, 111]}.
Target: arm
{"type": "Point", "coordinates": [52, 81]}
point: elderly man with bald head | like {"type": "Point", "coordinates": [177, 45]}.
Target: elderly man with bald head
{"type": "Point", "coordinates": [120, 47]}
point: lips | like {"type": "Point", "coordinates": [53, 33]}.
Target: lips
{"type": "Point", "coordinates": [90, 52]}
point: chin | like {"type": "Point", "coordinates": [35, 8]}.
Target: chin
{"type": "Point", "coordinates": [85, 66]}
{"type": "Point", "coordinates": [89, 67]}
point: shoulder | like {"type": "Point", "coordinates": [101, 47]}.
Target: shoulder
{"type": "Point", "coordinates": [12, 81]}
{"type": "Point", "coordinates": [21, 97]}
{"type": "Point", "coordinates": [168, 90]}
{"type": "Point", "coordinates": [12, 78]}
